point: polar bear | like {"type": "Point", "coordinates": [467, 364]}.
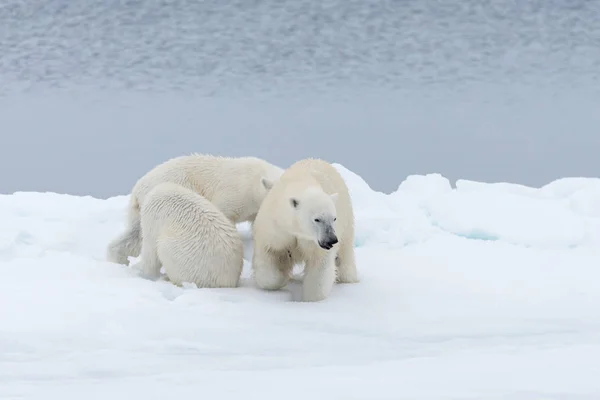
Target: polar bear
{"type": "Point", "coordinates": [190, 237]}
{"type": "Point", "coordinates": [236, 186]}
{"type": "Point", "coordinates": [306, 217]}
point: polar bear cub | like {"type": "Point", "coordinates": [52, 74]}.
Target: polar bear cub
{"type": "Point", "coordinates": [190, 237]}
{"type": "Point", "coordinates": [306, 217]}
{"type": "Point", "coordinates": [236, 186]}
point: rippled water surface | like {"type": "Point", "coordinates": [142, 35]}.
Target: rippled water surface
{"type": "Point", "coordinates": [488, 90]}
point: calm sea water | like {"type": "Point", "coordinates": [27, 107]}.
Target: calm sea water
{"type": "Point", "coordinates": [94, 93]}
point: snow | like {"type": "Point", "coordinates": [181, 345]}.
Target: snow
{"type": "Point", "coordinates": [478, 291]}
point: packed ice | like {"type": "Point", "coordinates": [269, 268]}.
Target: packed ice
{"type": "Point", "coordinates": [471, 290]}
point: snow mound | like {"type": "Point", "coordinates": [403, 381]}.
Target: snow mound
{"type": "Point", "coordinates": [474, 291]}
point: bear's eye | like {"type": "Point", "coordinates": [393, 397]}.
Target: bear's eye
{"type": "Point", "coordinates": [334, 219]}
{"type": "Point", "coordinates": [317, 220]}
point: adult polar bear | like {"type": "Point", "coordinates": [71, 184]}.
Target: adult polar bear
{"type": "Point", "coordinates": [306, 217]}
{"type": "Point", "coordinates": [235, 185]}
{"type": "Point", "coordinates": [190, 237]}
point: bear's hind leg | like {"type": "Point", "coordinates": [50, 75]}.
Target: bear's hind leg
{"type": "Point", "coordinates": [346, 264]}
{"type": "Point", "coordinates": [319, 277]}
{"type": "Point", "coordinates": [128, 243]}
{"type": "Point", "coordinates": [271, 270]}
{"type": "Point", "coordinates": [149, 264]}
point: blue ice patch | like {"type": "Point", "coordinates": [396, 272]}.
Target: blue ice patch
{"type": "Point", "coordinates": [477, 235]}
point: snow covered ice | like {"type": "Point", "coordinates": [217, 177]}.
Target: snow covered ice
{"type": "Point", "coordinates": [468, 290]}
{"type": "Point", "coordinates": [483, 291]}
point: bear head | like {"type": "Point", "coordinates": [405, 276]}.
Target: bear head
{"type": "Point", "coordinates": [314, 216]}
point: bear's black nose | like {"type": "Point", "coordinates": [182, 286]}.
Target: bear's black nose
{"type": "Point", "coordinates": [325, 245]}
{"type": "Point", "coordinates": [329, 243]}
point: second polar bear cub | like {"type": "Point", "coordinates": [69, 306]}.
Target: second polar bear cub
{"type": "Point", "coordinates": [190, 237]}
{"type": "Point", "coordinates": [306, 217]}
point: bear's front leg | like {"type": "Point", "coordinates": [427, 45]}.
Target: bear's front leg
{"type": "Point", "coordinates": [319, 277]}
{"type": "Point", "coordinates": [271, 269]}
{"type": "Point", "coordinates": [346, 264]}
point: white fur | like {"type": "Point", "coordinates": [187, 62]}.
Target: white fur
{"type": "Point", "coordinates": [236, 186]}
{"type": "Point", "coordinates": [281, 230]}
{"type": "Point", "coordinates": [190, 237]}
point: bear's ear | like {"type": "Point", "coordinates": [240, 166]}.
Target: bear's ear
{"type": "Point", "coordinates": [334, 197]}
{"type": "Point", "coordinates": [267, 184]}
{"type": "Point", "coordinates": [294, 202]}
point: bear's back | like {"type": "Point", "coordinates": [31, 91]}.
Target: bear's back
{"type": "Point", "coordinates": [183, 170]}
{"type": "Point", "coordinates": [176, 205]}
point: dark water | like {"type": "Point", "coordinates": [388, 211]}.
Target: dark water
{"type": "Point", "coordinates": [93, 93]}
